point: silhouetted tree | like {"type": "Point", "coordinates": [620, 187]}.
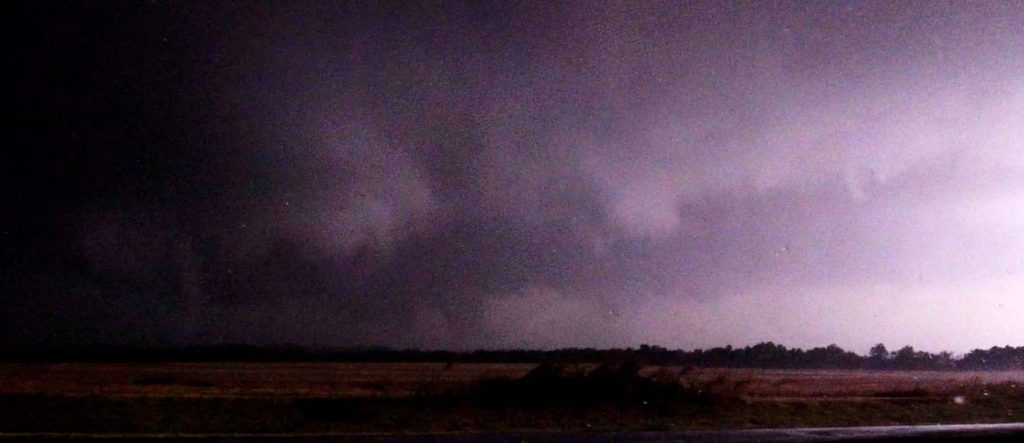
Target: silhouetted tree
{"type": "Point", "coordinates": [878, 357]}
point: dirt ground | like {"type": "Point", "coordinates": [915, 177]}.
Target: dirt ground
{"type": "Point", "coordinates": [402, 397]}
{"type": "Point", "coordinates": [296, 380]}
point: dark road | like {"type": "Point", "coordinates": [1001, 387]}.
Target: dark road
{"type": "Point", "coordinates": [994, 432]}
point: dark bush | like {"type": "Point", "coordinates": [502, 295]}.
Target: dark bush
{"type": "Point", "coordinates": [617, 385]}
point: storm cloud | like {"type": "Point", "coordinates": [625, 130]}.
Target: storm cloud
{"type": "Point", "coordinates": [552, 174]}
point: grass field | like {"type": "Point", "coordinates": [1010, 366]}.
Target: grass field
{"type": "Point", "coordinates": [415, 397]}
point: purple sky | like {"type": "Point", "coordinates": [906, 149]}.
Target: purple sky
{"type": "Point", "coordinates": [463, 175]}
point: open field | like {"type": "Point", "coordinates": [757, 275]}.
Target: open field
{"type": "Point", "coordinates": [408, 397]}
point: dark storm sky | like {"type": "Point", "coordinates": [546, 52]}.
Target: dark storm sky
{"type": "Point", "coordinates": [496, 174]}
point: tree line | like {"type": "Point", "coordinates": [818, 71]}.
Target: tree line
{"type": "Point", "coordinates": [766, 355]}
